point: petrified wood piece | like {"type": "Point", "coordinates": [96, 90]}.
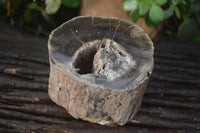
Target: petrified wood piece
{"type": "Point", "coordinates": [99, 68]}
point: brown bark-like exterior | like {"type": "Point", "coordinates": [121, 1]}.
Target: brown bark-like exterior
{"type": "Point", "coordinates": [83, 88]}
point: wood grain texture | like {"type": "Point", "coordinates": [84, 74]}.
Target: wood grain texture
{"type": "Point", "coordinates": [112, 94]}
{"type": "Point", "coordinates": [170, 104]}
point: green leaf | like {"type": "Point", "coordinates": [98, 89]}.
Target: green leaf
{"type": "Point", "coordinates": [52, 6]}
{"type": "Point", "coordinates": [145, 2]}
{"type": "Point", "coordinates": [160, 2]}
{"type": "Point", "coordinates": [130, 5]}
{"type": "Point", "coordinates": [178, 13]}
{"type": "Point", "coordinates": [143, 9]}
{"type": "Point", "coordinates": [149, 22]}
{"type": "Point", "coordinates": [156, 14]}
{"type": "Point", "coordinates": [135, 15]}
{"type": "Point", "coordinates": [169, 12]}
{"type": "Point", "coordinates": [27, 16]}
{"type": "Point", "coordinates": [197, 38]}
{"type": "Point", "coordinates": [71, 3]}
{"type": "Point", "coordinates": [175, 2]}
{"type": "Point", "coordinates": [184, 2]}
{"type": "Point", "coordinates": [194, 7]}
{"type": "Point", "coordinates": [188, 30]}
{"type": "Point", "coordinates": [34, 6]}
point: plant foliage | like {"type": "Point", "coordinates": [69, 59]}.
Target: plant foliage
{"type": "Point", "coordinates": [36, 14]}
{"type": "Point", "coordinates": [156, 11]}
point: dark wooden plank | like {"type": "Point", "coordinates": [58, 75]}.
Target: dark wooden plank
{"type": "Point", "coordinates": [170, 104]}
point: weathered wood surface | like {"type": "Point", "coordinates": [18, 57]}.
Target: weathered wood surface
{"type": "Point", "coordinates": [108, 89]}
{"type": "Point", "coordinates": [170, 104]}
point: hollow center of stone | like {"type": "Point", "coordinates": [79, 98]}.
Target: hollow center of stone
{"type": "Point", "coordinates": [104, 58]}
{"type": "Point", "coordinates": [84, 58]}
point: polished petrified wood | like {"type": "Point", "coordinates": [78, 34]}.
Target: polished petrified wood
{"type": "Point", "coordinates": [99, 68]}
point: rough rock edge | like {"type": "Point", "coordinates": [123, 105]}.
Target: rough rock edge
{"type": "Point", "coordinates": [107, 107]}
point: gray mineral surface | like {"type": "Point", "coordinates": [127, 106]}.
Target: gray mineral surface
{"type": "Point", "coordinates": [99, 68]}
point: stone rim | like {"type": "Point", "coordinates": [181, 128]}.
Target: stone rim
{"type": "Point", "coordinates": [96, 82]}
